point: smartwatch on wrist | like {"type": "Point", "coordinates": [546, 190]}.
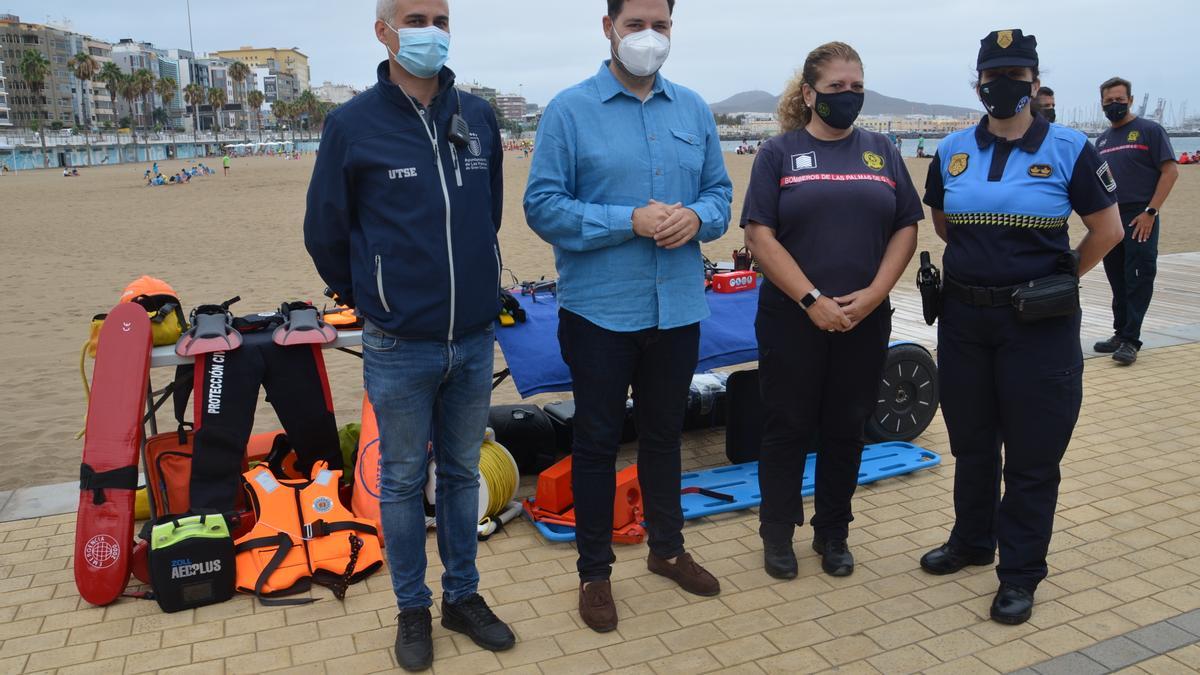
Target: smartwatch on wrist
{"type": "Point", "coordinates": [810, 298]}
{"type": "Point", "coordinates": [1152, 211]}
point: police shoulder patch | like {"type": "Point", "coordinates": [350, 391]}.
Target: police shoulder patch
{"type": "Point", "coordinates": [958, 163]}
{"type": "Point", "coordinates": [1106, 177]}
{"type": "Point", "coordinates": [1041, 170]}
{"type": "Point", "coordinates": [873, 161]}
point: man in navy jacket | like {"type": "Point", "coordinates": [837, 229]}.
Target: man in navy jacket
{"type": "Point", "coordinates": [403, 211]}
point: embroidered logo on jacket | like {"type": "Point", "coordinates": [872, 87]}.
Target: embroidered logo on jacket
{"type": "Point", "coordinates": [806, 160]}
{"type": "Point", "coordinates": [958, 163]}
{"type": "Point", "coordinates": [1040, 170]}
{"type": "Point", "coordinates": [410, 172]}
{"type": "Point", "coordinates": [873, 161]}
{"type": "Point", "coordinates": [1133, 136]}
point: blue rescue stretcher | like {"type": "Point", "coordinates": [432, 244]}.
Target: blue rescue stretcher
{"type": "Point", "coordinates": [740, 481]}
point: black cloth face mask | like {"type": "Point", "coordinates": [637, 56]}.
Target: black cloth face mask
{"type": "Point", "coordinates": [1004, 97]}
{"type": "Point", "coordinates": [1048, 113]}
{"type": "Point", "coordinates": [839, 110]}
{"type": "Point", "coordinates": [1115, 112]}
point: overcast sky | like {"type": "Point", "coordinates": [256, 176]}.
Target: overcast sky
{"type": "Point", "coordinates": [921, 50]}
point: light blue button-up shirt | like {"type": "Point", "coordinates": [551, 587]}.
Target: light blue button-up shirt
{"type": "Point", "coordinates": [601, 152]}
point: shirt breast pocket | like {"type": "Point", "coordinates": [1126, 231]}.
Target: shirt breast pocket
{"type": "Point", "coordinates": [689, 147]}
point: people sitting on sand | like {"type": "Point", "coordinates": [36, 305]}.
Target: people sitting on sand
{"type": "Point", "coordinates": [158, 179]}
{"type": "Point", "coordinates": [1185, 158]}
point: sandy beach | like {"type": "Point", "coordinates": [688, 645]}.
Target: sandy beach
{"type": "Point", "coordinates": [68, 247]}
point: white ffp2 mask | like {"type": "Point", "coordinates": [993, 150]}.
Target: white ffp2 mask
{"type": "Point", "coordinates": [643, 53]}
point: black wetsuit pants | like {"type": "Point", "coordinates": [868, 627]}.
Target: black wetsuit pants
{"type": "Point", "coordinates": [818, 391]}
{"type": "Point", "coordinates": [1016, 386]}
{"type": "Point", "coordinates": [225, 398]}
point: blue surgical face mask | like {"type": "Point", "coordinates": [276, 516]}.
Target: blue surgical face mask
{"type": "Point", "coordinates": [423, 51]}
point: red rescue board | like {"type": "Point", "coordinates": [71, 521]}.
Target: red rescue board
{"type": "Point", "coordinates": [108, 476]}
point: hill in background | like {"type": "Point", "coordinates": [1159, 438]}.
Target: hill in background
{"type": "Point", "coordinates": [876, 104]}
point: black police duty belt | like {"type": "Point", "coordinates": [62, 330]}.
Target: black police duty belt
{"type": "Point", "coordinates": [980, 296]}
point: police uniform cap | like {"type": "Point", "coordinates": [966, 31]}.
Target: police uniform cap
{"type": "Point", "coordinates": [1007, 48]}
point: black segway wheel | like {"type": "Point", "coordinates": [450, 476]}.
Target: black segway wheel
{"type": "Point", "coordinates": [908, 395]}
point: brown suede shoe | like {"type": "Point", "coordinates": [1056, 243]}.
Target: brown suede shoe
{"type": "Point", "coordinates": [596, 606]}
{"type": "Point", "coordinates": [690, 576]}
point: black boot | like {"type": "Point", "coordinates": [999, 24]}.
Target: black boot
{"type": "Point", "coordinates": [472, 617]}
{"type": "Point", "coordinates": [414, 639]}
{"type": "Point", "coordinates": [836, 559]}
{"type": "Point", "coordinates": [1012, 605]}
{"type": "Point", "coordinates": [779, 559]}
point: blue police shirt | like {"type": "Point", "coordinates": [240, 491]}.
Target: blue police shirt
{"type": "Point", "coordinates": [1007, 202]}
{"type": "Point", "coordinates": [601, 152]}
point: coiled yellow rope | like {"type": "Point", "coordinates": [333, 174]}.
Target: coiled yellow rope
{"type": "Point", "coordinates": [498, 469]}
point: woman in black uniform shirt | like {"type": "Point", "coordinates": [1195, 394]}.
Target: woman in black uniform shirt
{"type": "Point", "coordinates": [1001, 194]}
{"type": "Point", "coordinates": [830, 216]}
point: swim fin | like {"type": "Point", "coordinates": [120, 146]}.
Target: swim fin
{"type": "Point", "coordinates": [302, 326]}
{"type": "Point", "coordinates": [212, 331]}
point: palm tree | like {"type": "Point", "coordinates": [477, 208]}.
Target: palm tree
{"type": "Point", "coordinates": [110, 74]}
{"type": "Point", "coordinates": [255, 99]}
{"type": "Point", "coordinates": [217, 98]}
{"type": "Point", "coordinates": [308, 104]}
{"type": "Point", "coordinates": [145, 86]}
{"type": "Point", "coordinates": [238, 72]}
{"type": "Point", "coordinates": [129, 90]}
{"type": "Point", "coordinates": [166, 88]}
{"type": "Point", "coordinates": [85, 67]}
{"type": "Point", "coordinates": [195, 96]}
{"type": "Point", "coordinates": [34, 68]}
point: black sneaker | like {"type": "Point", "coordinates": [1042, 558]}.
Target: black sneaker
{"type": "Point", "coordinates": [472, 617]}
{"type": "Point", "coordinates": [836, 558]}
{"type": "Point", "coordinates": [1107, 346]}
{"type": "Point", "coordinates": [414, 639]}
{"type": "Point", "coordinates": [1125, 355]}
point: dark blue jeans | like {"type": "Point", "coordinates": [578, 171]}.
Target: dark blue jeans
{"type": "Point", "coordinates": [419, 386]}
{"type": "Point", "coordinates": [1131, 267]}
{"type": "Point", "coordinates": [604, 364]}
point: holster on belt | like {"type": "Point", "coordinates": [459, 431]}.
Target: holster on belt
{"type": "Point", "coordinates": [929, 282]}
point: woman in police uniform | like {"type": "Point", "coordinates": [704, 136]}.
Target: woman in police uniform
{"type": "Point", "coordinates": [1011, 374]}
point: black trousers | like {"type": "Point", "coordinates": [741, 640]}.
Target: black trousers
{"type": "Point", "coordinates": [604, 364]}
{"type": "Point", "coordinates": [818, 388]}
{"type": "Point", "coordinates": [1131, 267]}
{"type": "Point", "coordinates": [226, 395]}
{"type": "Point", "coordinates": [1016, 386]}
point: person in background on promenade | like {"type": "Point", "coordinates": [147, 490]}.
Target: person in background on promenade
{"type": "Point", "coordinates": [830, 216]}
{"type": "Point", "coordinates": [629, 176]}
{"type": "Point", "coordinates": [403, 211]}
{"type": "Point", "coordinates": [1043, 104]}
{"type": "Point", "coordinates": [1011, 378]}
{"type": "Point", "coordinates": [1139, 152]}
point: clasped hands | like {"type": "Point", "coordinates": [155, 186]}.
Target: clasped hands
{"type": "Point", "coordinates": [843, 313]}
{"type": "Point", "coordinates": [669, 225]}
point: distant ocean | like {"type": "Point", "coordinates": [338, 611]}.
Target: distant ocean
{"type": "Point", "coordinates": [909, 148]}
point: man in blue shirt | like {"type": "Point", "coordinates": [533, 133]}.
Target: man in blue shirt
{"type": "Point", "coordinates": [627, 180]}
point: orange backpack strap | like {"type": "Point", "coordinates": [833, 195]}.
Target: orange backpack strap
{"type": "Point", "coordinates": [284, 544]}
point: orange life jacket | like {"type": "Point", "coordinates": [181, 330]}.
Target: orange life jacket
{"type": "Point", "coordinates": [303, 534]}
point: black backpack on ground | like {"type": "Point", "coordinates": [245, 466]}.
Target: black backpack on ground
{"type": "Point", "coordinates": [526, 431]}
{"type": "Point", "coordinates": [744, 417]}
